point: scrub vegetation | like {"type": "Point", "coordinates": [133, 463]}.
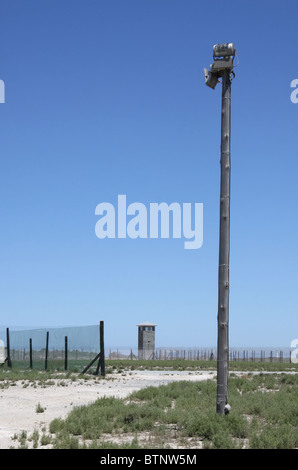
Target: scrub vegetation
{"type": "Point", "coordinates": [264, 409]}
{"type": "Point", "coordinates": [264, 415]}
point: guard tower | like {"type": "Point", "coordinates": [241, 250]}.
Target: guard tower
{"type": "Point", "coordinates": [146, 340]}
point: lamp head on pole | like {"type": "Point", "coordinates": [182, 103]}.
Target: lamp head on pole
{"type": "Point", "coordinates": [223, 55]}
{"type": "Point", "coordinates": [224, 50]}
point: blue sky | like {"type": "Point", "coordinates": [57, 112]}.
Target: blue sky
{"type": "Point", "coordinates": [108, 97]}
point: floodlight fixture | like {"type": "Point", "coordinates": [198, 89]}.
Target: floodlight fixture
{"type": "Point", "coordinates": [223, 55]}
{"type": "Point", "coordinates": [224, 50]}
{"type": "Point", "coordinates": [211, 79]}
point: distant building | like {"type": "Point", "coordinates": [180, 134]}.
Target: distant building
{"type": "Point", "coordinates": [146, 340]}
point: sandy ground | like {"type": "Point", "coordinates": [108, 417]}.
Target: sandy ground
{"type": "Point", "coordinates": [18, 404]}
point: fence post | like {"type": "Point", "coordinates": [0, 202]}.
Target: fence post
{"type": "Point", "coordinates": [100, 356]}
{"type": "Point", "coordinates": [65, 355]}
{"type": "Point", "coordinates": [102, 349]}
{"type": "Point", "coordinates": [8, 348]}
{"type": "Point", "coordinates": [47, 351]}
{"type": "Point", "coordinates": [30, 353]}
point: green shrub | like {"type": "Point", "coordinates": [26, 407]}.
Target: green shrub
{"type": "Point", "coordinates": [280, 437]}
{"type": "Point", "coordinates": [264, 414]}
{"type": "Point", "coordinates": [56, 425]}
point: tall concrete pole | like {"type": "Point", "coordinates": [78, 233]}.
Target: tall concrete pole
{"type": "Point", "coordinates": [224, 249]}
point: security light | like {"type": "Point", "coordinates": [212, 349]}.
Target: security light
{"type": "Point", "coordinates": [224, 50]}
{"type": "Point", "coordinates": [211, 79]}
{"type": "Point", "coordinates": [223, 55]}
{"type": "Point", "coordinates": [219, 65]}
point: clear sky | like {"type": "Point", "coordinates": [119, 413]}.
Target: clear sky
{"type": "Point", "coordinates": [107, 97]}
